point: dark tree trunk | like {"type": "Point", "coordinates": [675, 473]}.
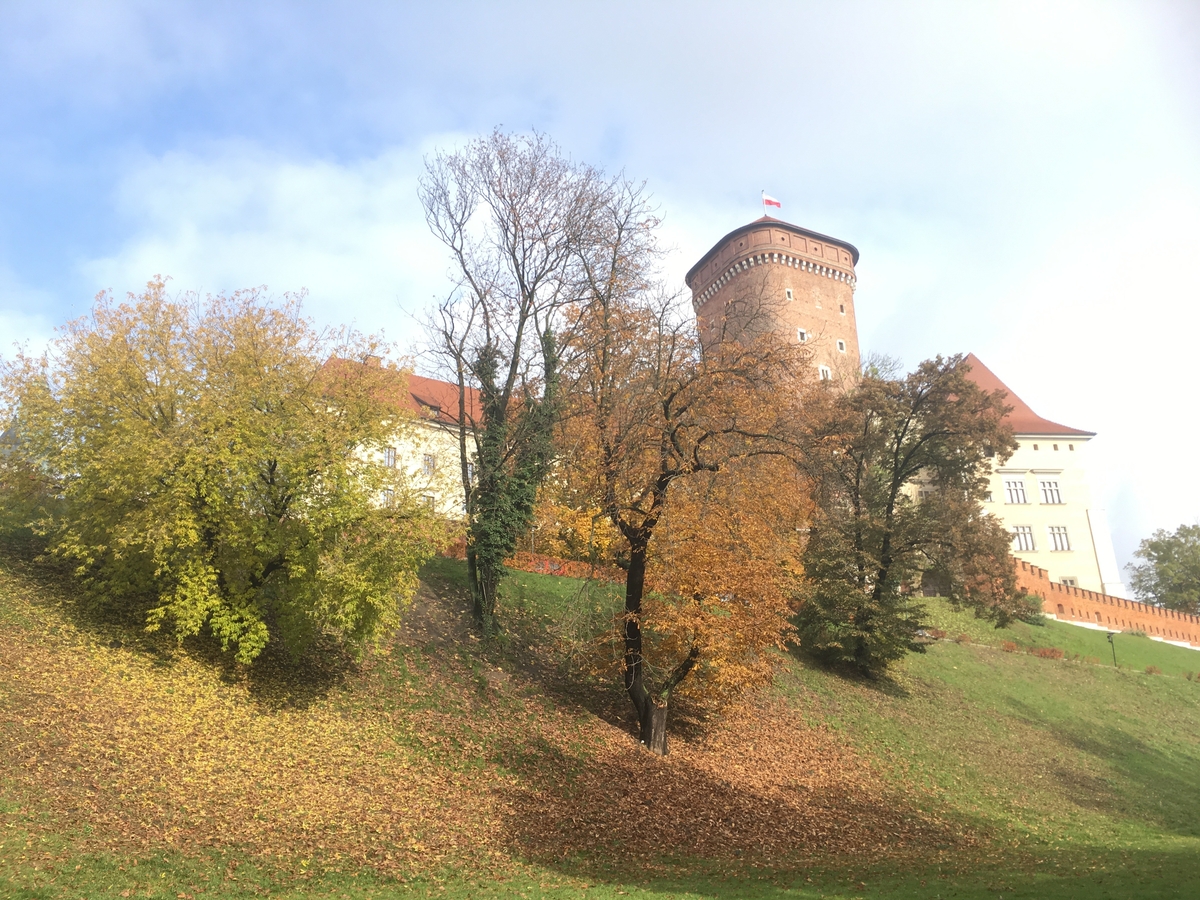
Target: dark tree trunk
{"type": "Point", "coordinates": [652, 718]}
{"type": "Point", "coordinates": [654, 728]}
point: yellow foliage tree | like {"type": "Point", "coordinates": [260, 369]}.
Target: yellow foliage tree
{"type": "Point", "coordinates": [194, 463]}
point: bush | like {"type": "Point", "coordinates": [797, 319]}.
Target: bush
{"type": "Point", "coordinates": [1047, 652]}
{"type": "Point", "coordinates": [963, 639]}
{"type": "Point", "coordinates": [937, 634]}
{"type": "Point", "coordinates": [1009, 647]}
{"type": "Point", "coordinates": [1153, 670]}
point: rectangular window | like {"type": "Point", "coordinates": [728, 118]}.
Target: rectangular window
{"type": "Point", "coordinates": [825, 372]}
{"type": "Point", "coordinates": [924, 494]}
{"type": "Point", "coordinates": [429, 501]}
{"type": "Point", "coordinates": [841, 346]}
{"type": "Point", "coordinates": [801, 335]}
{"type": "Point", "coordinates": [987, 497]}
{"type": "Point", "coordinates": [389, 457]}
{"type": "Point", "coordinates": [1050, 492]}
{"type": "Point", "coordinates": [1022, 539]}
{"type": "Point", "coordinates": [1058, 538]}
{"type": "Point", "coordinates": [1071, 582]}
{"type": "Point", "coordinates": [470, 473]}
{"type": "Point", "coordinates": [788, 292]}
{"type": "Point", "coordinates": [428, 464]}
{"type": "Point", "coordinates": [389, 498]}
{"type": "Point", "coordinates": [1014, 490]}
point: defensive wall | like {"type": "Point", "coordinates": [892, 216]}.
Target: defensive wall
{"type": "Point", "coordinates": [1073, 604]}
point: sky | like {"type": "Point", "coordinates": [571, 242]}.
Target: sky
{"type": "Point", "coordinates": [1022, 180]}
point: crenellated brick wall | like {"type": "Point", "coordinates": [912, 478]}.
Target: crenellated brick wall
{"type": "Point", "coordinates": [1072, 604]}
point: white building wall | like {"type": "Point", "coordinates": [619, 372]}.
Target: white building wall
{"type": "Point", "coordinates": [1058, 461]}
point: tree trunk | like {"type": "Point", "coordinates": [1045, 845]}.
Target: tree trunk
{"type": "Point", "coordinates": [654, 728]}
{"type": "Point", "coordinates": [483, 593]}
{"type": "Point", "coordinates": [652, 718]}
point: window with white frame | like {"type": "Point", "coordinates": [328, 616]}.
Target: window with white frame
{"type": "Point", "coordinates": [841, 346]}
{"type": "Point", "coordinates": [389, 498]}
{"type": "Point", "coordinates": [389, 457]}
{"type": "Point", "coordinates": [801, 335]}
{"type": "Point", "coordinates": [1058, 538]}
{"type": "Point", "coordinates": [430, 501]}
{"type": "Point", "coordinates": [1014, 490]}
{"type": "Point", "coordinates": [1070, 582]}
{"type": "Point", "coordinates": [1050, 491]}
{"type": "Point", "coordinates": [825, 372]}
{"type": "Point", "coordinates": [428, 464]}
{"type": "Point", "coordinates": [788, 294]}
{"type": "Point", "coordinates": [1022, 538]}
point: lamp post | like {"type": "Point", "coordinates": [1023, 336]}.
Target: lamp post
{"type": "Point", "coordinates": [1113, 644]}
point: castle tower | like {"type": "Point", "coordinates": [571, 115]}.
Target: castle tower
{"type": "Point", "coordinates": [801, 282]}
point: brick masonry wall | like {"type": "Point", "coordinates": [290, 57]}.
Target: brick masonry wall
{"type": "Point", "coordinates": [1071, 604]}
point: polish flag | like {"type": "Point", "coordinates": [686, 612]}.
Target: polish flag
{"type": "Point", "coordinates": [768, 200]}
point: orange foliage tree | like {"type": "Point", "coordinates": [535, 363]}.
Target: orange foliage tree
{"type": "Point", "coordinates": [682, 448]}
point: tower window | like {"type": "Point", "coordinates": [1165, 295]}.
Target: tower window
{"type": "Point", "coordinates": [1022, 538]}
{"type": "Point", "coordinates": [1050, 492]}
{"type": "Point", "coordinates": [801, 335]}
{"type": "Point", "coordinates": [1058, 538]}
{"type": "Point", "coordinates": [825, 372]}
{"type": "Point", "coordinates": [841, 346]}
{"type": "Point", "coordinates": [842, 308]}
{"type": "Point", "coordinates": [788, 294]}
{"type": "Point", "coordinates": [1014, 490]}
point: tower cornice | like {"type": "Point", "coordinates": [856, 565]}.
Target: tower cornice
{"type": "Point", "coordinates": [756, 225]}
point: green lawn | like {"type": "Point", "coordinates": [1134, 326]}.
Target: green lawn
{"type": "Point", "coordinates": [1051, 777]}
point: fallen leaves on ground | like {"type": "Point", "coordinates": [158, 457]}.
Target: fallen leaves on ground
{"type": "Point", "coordinates": [424, 757]}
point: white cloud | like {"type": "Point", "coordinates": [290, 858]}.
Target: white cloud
{"type": "Point", "coordinates": [353, 235]}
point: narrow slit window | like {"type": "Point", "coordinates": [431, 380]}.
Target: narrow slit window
{"type": "Point", "coordinates": [841, 345]}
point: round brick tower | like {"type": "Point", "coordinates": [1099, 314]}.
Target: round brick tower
{"type": "Point", "coordinates": [801, 284]}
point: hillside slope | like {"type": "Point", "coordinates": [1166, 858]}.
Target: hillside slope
{"type": "Point", "coordinates": [444, 765]}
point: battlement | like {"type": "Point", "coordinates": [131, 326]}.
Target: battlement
{"type": "Point", "coordinates": [1072, 604]}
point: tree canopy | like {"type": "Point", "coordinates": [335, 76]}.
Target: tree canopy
{"type": "Point", "coordinates": [516, 217]}
{"type": "Point", "coordinates": [1170, 575]}
{"type": "Point", "coordinates": [898, 468]}
{"type": "Point", "coordinates": [195, 462]}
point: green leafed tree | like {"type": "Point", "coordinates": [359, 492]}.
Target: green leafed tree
{"type": "Point", "coordinates": [197, 464]}
{"type": "Point", "coordinates": [1170, 575]}
{"type": "Point", "coordinates": [898, 468]}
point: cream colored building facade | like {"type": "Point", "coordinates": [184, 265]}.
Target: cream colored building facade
{"type": "Point", "coordinates": [1042, 495]}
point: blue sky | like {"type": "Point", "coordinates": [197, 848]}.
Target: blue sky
{"type": "Point", "coordinates": [1022, 180]}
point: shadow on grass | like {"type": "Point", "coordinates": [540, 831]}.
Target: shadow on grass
{"type": "Point", "coordinates": [275, 678]}
{"type": "Point", "coordinates": [1165, 789]}
{"type": "Point", "coordinates": [881, 683]}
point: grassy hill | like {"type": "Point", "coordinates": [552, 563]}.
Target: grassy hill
{"type": "Point", "coordinates": [130, 766]}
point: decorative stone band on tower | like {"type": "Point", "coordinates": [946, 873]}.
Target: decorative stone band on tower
{"type": "Point", "coordinates": [806, 280]}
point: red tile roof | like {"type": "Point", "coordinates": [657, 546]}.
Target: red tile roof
{"type": "Point", "coordinates": [1022, 419]}
{"type": "Point", "coordinates": [428, 398]}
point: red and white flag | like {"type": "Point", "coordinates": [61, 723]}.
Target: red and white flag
{"type": "Point", "coordinates": [768, 200]}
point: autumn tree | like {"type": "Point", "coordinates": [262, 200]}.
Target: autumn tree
{"type": "Point", "coordinates": [514, 215]}
{"type": "Point", "coordinates": [1170, 574]}
{"type": "Point", "coordinates": [663, 438]}
{"type": "Point", "coordinates": [899, 468]}
{"type": "Point", "coordinates": [193, 462]}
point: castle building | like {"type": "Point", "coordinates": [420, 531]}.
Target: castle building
{"type": "Point", "coordinates": [801, 284]}
{"type": "Point", "coordinates": [1041, 494]}
{"type": "Point", "coordinates": [772, 274]}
